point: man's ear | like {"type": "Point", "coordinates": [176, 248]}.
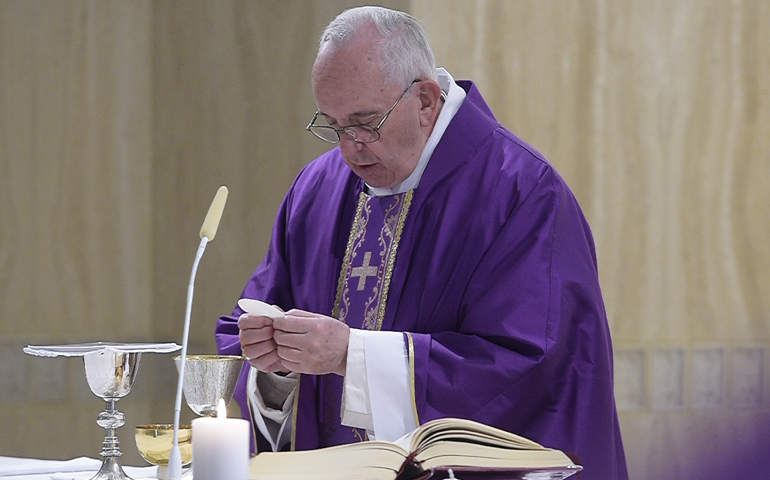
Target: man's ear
{"type": "Point", "coordinates": [429, 93]}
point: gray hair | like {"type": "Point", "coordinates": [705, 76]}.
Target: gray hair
{"type": "Point", "coordinates": [404, 49]}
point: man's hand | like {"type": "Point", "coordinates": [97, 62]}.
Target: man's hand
{"type": "Point", "coordinates": [310, 343]}
{"type": "Point", "coordinates": [257, 343]}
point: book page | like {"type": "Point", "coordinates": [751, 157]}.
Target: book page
{"type": "Point", "coordinates": [371, 460]}
{"type": "Point", "coordinates": [445, 429]}
{"type": "Point", "coordinates": [406, 442]}
{"type": "Point", "coordinates": [463, 454]}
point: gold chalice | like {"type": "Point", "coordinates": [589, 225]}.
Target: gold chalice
{"type": "Point", "coordinates": [155, 440]}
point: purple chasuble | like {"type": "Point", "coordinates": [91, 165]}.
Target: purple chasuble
{"type": "Point", "coordinates": [362, 294]}
{"type": "Point", "coordinates": [494, 284]}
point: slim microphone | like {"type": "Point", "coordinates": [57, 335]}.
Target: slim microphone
{"type": "Point", "coordinates": [208, 232]}
{"type": "Point", "coordinates": [211, 222]}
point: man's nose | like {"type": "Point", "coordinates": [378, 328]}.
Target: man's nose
{"type": "Point", "coordinates": [349, 145]}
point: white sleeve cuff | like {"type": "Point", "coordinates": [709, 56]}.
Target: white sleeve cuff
{"type": "Point", "coordinates": [356, 411]}
{"type": "Point", "coordinates": [390, 394]}
{"type": "Point", "coordinates": [377, 395]}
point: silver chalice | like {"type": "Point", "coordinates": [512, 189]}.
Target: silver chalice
{"type": "Point", "coordinates": [207, 378]}
{"type": "Point", "coordinates": [110, 371]}
{"type": "Point", "coordinates": [110, 375]}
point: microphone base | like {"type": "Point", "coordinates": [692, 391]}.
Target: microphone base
{"type": "Point", "coordinates": [174, 464]}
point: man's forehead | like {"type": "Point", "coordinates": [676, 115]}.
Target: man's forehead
{"type": "Point", "coordinates": [347, 83]}
{"type": "Point", "coordinates": [342, 111]}
{"type": "Point", "coordinates": [351, 100]}
{"type": "Point", "coordinates": [349, 62]}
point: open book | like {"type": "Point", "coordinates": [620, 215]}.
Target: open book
{"type": "Point", "coordinates": [471, 450]}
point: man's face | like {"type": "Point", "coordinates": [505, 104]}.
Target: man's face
{"type": "Point", "coordinates": [349, 90]}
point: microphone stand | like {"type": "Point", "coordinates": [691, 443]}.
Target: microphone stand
{"type": "Point", "coordinates": [208, 231]}
{"type": "Point", "coordinates": [175, 460]}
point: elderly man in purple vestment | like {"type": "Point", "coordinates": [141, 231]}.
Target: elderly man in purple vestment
{"type": "Point", "coordinates": [431, 264]}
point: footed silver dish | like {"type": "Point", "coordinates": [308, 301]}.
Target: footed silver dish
{"type": "Point", "coordinates": [208, 378]}
{"type": "Point", "coordinates": [111, 370]}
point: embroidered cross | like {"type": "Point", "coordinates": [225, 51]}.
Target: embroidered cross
{"type": "Point", "coordinates": [364, 271]}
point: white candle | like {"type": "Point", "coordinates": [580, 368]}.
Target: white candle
{"type": "Point", "coordinates": [220, 447]}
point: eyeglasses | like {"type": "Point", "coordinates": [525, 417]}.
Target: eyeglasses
{"type": "Point", "coordinates": [359, 133]}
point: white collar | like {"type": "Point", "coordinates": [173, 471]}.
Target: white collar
{"type": "Point", "coordinates": [455, 96]}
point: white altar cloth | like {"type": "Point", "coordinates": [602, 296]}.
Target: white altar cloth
{"type": "Point", "coordinates": [81, 468]}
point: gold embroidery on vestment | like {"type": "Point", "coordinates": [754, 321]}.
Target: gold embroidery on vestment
{"type": "Point", "coordinates": [389, 237]}
{"type": "Point", "coordinates": [364, 271]}
{"type": "Point", "coordinates": [354, 234]}
{"type": "Point", "coordinates": [410, 355]}
{"type": "Point", "coordinates": [399, 224]}
{"type": "Point", "coordinates": [374, 307]}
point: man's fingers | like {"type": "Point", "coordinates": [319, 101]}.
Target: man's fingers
{"type": "Point", "coordinates": [287, 339]}
{"type": "Point", "coordinates": [301, 341]}
{"type": "Point", "coordinates": [289, 354]}
{"type": "Point", "coordinates": [255, 335]}
{"type": "Point", "coordinates": [267, 362]}
{"type": "Point", "coordinates": [293, 323]}
{"type": "Point", "coordinates": [248, 321]}
{"type": "Point", "coordinates": [256, 350]}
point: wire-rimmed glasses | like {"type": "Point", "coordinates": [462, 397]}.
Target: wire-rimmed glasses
{"type": "Point", "coordinates": [359, 133]}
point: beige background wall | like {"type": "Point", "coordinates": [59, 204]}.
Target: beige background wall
{"type": "Point", "coordinates": [119, 120]}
